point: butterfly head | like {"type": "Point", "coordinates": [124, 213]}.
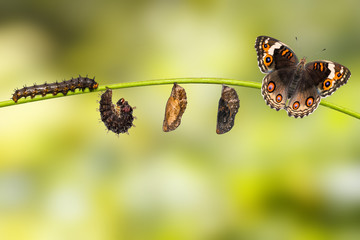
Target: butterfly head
{"type": "Point", "coordinates": [302, 63]}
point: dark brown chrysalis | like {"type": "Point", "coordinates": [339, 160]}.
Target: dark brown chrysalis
{"type": "Point", "coordinates": [229, 105]}
{"type": "Point", "coordinates": [119, 118]}
{"type": "Point", "coordinates": [175, 108]}
{"type": "Point", "coordinates": [55, 88]}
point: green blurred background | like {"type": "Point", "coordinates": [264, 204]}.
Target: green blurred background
{"type": "Point", "coordinates": [62, 176]}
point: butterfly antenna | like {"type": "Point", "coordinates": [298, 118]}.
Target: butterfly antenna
{"type": "Point", "coordinates": [319, 55]}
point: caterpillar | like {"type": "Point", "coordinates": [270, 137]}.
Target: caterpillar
{"type": "Point", "coordinates": [175, 108]}
{"type": "Point", "coordinates": [119, 118]}
{"type": "Point", "coordinates": [229, 105]}
{"type": "Point", "coordinates": [55, 88]}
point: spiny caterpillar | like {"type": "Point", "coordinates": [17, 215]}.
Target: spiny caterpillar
{"type": "Point", "coordinates": [55, 88]}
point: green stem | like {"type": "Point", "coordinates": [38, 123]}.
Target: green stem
{"type": "Point", "coordinates": [170, 81]}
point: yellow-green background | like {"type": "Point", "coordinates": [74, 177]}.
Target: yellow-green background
{"type": "Point", "coordinates": [63, 176]}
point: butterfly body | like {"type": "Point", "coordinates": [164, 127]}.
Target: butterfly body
{"type": "Point", "coordinates": [295, 86]}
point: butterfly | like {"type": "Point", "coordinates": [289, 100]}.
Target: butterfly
{"type": "Point", "coordinates": [295, 86]}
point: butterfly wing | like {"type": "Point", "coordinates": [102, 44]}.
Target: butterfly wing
{"type": "Point", "coordinates": [275, 87]}
{"type": "Point", "coordinates": [279, 61]}
{"type": "Point", "coordinates": [304, 101]}
{"type": "Point", "coordinates": [319, 79]}
{"type": "Point", "coordinates": [273, 54]}
{"type": "Point", "coordinates": [327, 76]}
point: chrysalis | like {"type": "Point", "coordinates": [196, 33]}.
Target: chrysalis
{"type": "Point", "coordinates": [229, 104]}
{"type": "Point", "coordinates": [175, 108]}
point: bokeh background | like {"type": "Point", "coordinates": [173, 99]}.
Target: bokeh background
{"type": "Point", "coordinates": [63, 176]}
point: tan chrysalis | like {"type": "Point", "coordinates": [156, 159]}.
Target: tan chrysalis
{"type": "Point", "coordinates": [175, 108]}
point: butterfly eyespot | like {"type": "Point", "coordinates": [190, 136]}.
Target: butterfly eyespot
{"type": "Point", "coordinates": [338, 75]}
{"type": "Point", "coordinates": [266, 46]}
{"type": "Point", "coordinates": [309, 101]}
{"type": "Point", "coordinates": [278, 98]}
{"type": "Point", "coordinates": [327, 84]}
{"type": "Point", "coordinates": [268, 60]}
{"type": "Point", "coordinates": [296, 105]}
{"type": "Point", "coordinates": [271, 87]}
